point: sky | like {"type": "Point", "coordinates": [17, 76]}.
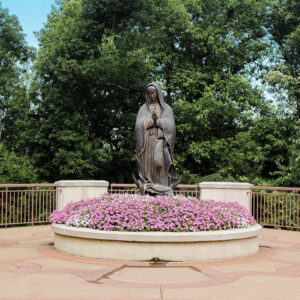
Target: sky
{"type": "Point", "coordinates": [32, 15]}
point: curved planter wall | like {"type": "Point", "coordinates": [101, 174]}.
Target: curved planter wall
{"type": "Point", "coordinates": [169, 246]}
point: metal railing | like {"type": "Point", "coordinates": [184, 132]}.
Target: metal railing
{"type": "Point", "coordinates": [26, 203]}
{"type": "Point", "coordinates": [276, 206]}
{"type": "Point", "coordinates": [183, 189]}
{"type": "Point", "coordinates": [33, 203]}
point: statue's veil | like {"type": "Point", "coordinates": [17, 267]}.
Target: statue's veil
{"type": "Point", "coordinates": [159, 92]}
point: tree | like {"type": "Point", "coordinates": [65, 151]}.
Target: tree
{"type": "Point", "coordinates": [95, 58]}
{"type": "Point", "coordinates": [284, 79]}
{"type": "Point", "coordinates": [15, 168]}
{"type": "Point", "coordinates": [285, 31]}
{"type": "Point", "coordinates": [15, 55]}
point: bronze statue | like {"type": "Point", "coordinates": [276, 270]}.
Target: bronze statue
{"type": "Point", "coordinates": [155, 137]}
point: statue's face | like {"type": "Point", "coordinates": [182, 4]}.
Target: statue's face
{"type": "Point", "coordinates": [152, 94]}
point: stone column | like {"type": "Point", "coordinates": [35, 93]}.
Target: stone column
{"type": "Point", "coordinates": [227, 191]}
{"type": "Point", "coordinates": [75, 190]}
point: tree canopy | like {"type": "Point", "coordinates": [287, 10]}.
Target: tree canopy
{"type": "Point", "coordinates": [15, 55]}
{"type": "Point", "coordinates": [96, 57]}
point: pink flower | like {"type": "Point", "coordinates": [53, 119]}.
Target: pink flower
{"type": "Point", "coordinates": [124, 212]}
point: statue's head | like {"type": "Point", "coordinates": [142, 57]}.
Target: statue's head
{"type": "Point", "coordinates": [152, 94]}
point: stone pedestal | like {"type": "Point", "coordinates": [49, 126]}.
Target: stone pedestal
{"type": "Point", "coordinates": [227, 191]}
{"type": "Point", "coordinates": [74, 190]}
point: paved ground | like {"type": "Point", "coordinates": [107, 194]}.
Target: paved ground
{"type": "Point", "coordinates": [30, 268]}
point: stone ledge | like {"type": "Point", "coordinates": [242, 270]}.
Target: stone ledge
{"type": "Point", "coordinates": [82, 183]}
{"type": "Point", "coordinates": [225, 185]}
{"type": "Point", "coordinates": [158, 237]}
{"type": "Point", "coordinates": [145, 246]}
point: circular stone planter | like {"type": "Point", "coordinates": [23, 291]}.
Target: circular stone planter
{"type": "Point", "coordinates": [168, 246]}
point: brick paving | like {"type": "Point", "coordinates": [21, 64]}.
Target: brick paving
{"type": "Point", "coordinates": [30, 268]}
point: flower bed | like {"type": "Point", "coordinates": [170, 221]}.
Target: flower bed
{"type": "Point", "coordinates": [127, 212]}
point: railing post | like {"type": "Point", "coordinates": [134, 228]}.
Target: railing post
{"type": "Point", "coordinates": [275, 220]}
{"type": "Point", "coordinates": [6, 193]}
{"type": "Point", "coordinates": [56, 196]}
{"type": "Point", "coordinates": [251, 200]}
{"type": "Point", "coordinates": [32, 205]}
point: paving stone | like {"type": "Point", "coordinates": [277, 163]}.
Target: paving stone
{"type": "Point", "coordinates": [249, 287]}
{"type": "Point", "coordinates": [287, 256]}
{"type": "Point", "coordinates": [268, 236]}
{"type": "Point", "coordinates": [297, 279]}
{"type": "Point", "coordinates": [276, 245]}
{"type": "Point", "coordinates": [7, 280]}
{"type": "Point", "coordinates": [17, 253]}
{"type": "Point", "coordinates": [38, 242]}
{"type": "Point", "coordinates": [292, 270]}
{"type": "Point", "coordinates": [25, 232]}
{"type": "Point", "coordinates": [58, 263]}
{"type": "Point", "coordinates": [65, 286]}
{"type": "Point", "coordinates": [260, 266]}
{"type": "Point", "coordinates": [160, 275]}
{"type": "Point", "coordinates": [8, 268]}
{"type": "Point", "coordinates": [62, 276]}
{"type": "Point", "coordinates": [285, 235]}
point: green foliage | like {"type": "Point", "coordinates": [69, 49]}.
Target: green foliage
{"type": "Point", "coordinates": [290, 176]}
{"type": "Point", "coordinates": [284, 79]}
{"type": "Point", "coordinates": [14, 58]}
{"type": "Point", "coordinates": [95, 58]}
{"type": "Point", "coordinates": [86, 90]}
{"type": "Point", "coordinates": [14, 168]}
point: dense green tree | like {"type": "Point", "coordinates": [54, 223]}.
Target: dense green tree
{"type": "Point", "coordinates": [15, 55]}
{"type": "Point", "coordinates": [15, 168]}
{"type": "Point", "coordinates": [285, 30]}
{"type": "Point", "coordinates": [85, 99]}
{"type": "Point", "coordinates": [284, 80]}
{"type": "Point", "coordinates": [95, 57]}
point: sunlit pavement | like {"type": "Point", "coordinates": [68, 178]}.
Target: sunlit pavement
{"type": "Point", "coordinates": [30, 268]}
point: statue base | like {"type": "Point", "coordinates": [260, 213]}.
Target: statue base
{"type": "Point", "coordinates": [154, 189]}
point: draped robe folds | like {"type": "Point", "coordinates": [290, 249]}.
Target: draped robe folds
{"type": "Point", "coordinates": [155, 145]}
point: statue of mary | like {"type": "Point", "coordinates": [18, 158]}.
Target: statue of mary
{"type": "Point", "coordinates": [155, 136]}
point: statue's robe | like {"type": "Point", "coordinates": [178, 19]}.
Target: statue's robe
{"type": "Point", "coordinates": [155, 146]}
